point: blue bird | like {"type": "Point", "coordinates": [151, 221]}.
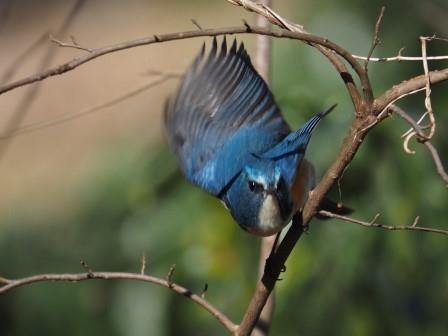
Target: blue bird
{"type": "Point", "coordinates": [231, 140]}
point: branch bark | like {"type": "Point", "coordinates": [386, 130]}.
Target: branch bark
{"type": "Point", "coordinates": [98, 52]}
{"type": "Point", "coordinates": [90, 275]}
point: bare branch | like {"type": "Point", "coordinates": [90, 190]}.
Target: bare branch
{"type": "Point", "coordinates": [411, 85]}
{"type": "Point", "coordinates": [421, 137]}
{"type": "Point", "coordinates": [223, 319]}
{"type": "Point", "coordinates": [373, 224]}
{"type": "Point", "coordinates": [376, 39]}
{"type": "Point", "coordinates": [428, 104]}
{"type": "Point", "coordinates": [32, 93]}
{"type": "Point", "coordinates": [400, 58]}
{"type": "Point", "coordinates": [73, 45]}
{"type": "Point", "coordinates": [68, 66]}
{"type": "Point", "coordinates": [72, 116]}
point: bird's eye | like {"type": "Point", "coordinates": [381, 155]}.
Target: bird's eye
{"type": "Point", "coordinates": [251, 185]}
{"type": "Point", "coordinates": [255, 187]}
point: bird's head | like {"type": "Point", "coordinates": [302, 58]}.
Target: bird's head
{"type": "Point", "coordinates": [259, 199]}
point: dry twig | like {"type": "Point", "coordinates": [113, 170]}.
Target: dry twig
{"type": "Point", "coordinates": [376, 38]}
{"type": "Point", "coordinates": [10, 284]}
{"type": "Point", "coordinates": [374, 224]}
{"type": "Point", "coordinates": [98, 52]}
{"type": "Point", "coordinates": [32, 93]}
{"type": "Point", "coordinates": [75, 115]}
{"type": "Point", "coordinates": [420, 135]}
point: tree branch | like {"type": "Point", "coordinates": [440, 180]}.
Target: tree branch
{"type": "Point", "coordinates": [90, 275]}
{"type": "Point", "coordinates": [36, 126]}
{"type": "Point", "coordinates": [32, 93]}
{"type": "Point", "coordinates": [411, 85]}
{"type": "Point", "coordinates": [374, 224]}
{"type": "Point", "coordinates": [421, 137]}
{"type": "Point", "coordinates": [376, 38]}
{"type": "Point", "coordinates": [95, 53]}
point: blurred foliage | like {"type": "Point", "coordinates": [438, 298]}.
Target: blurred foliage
{"type": "Point", "coordinates": [341, 279]}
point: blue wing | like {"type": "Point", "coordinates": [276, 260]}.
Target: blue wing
{"type": "Point", "coordinates": [291, 150]}
{"type": "Point", "coordinates": [223, 113]}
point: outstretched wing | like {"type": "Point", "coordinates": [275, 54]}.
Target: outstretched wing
{"type": "Point", "coordinates": [222, 106]}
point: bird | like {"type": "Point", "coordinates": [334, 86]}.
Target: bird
{"type": "Point", "coordinates": [231, 139]}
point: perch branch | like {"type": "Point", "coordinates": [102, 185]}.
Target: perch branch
{"type": "Point", "coordinates": [10, 284]}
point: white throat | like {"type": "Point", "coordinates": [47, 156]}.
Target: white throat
{"type": "Point", "coordinates": [269, 218]}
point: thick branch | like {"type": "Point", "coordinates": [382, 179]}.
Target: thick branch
{"type": "Point", "coordinates": [405, 87]}
{"type": "Point", "coordinates": [89, 275]}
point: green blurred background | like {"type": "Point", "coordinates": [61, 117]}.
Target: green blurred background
{"type": "Point", "coordinates": [105, 187]}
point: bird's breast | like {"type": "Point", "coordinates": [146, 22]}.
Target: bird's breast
{"type": "Point", "coordinates": [270, 220]}
{"type": "Point", "coordinates": [304, 181]}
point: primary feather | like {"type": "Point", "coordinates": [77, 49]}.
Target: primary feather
{"type": "Point", "coordinates": [223, 113]}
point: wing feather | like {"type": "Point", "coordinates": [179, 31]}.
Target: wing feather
{"type": "Point", "coordinates": [222, 113]}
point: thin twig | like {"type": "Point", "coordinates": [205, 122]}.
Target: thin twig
{"type": "Point", "coordinates": [143, 264]}
{"type": "Point", "coordinates": [73, 45]}
{"type": "Point", "coordinates": [169, 275]}
{"type": "Point", "coordinates": [196, 24]}
{"type": "Point", "coordinates": [32, 93]}
{"type": "Point", "coordinates": [374, 224]}
{"type": "Point", "coordinates": [420, 135]}
{"type": "Point", "coordinates": [204, 290]}
{"type": "Point", "coordinates": [223, 319]}
{"type": "Point", "coordinates": [376, 38]}
{"type": "Point", "coordinates": [428, 105]}
{"type": "Point", "coordinates": [400, 58]}
{"type": "Point", "coordinates": [33, 127]}
{"type": "Point", "coordinates": [15, 65]}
